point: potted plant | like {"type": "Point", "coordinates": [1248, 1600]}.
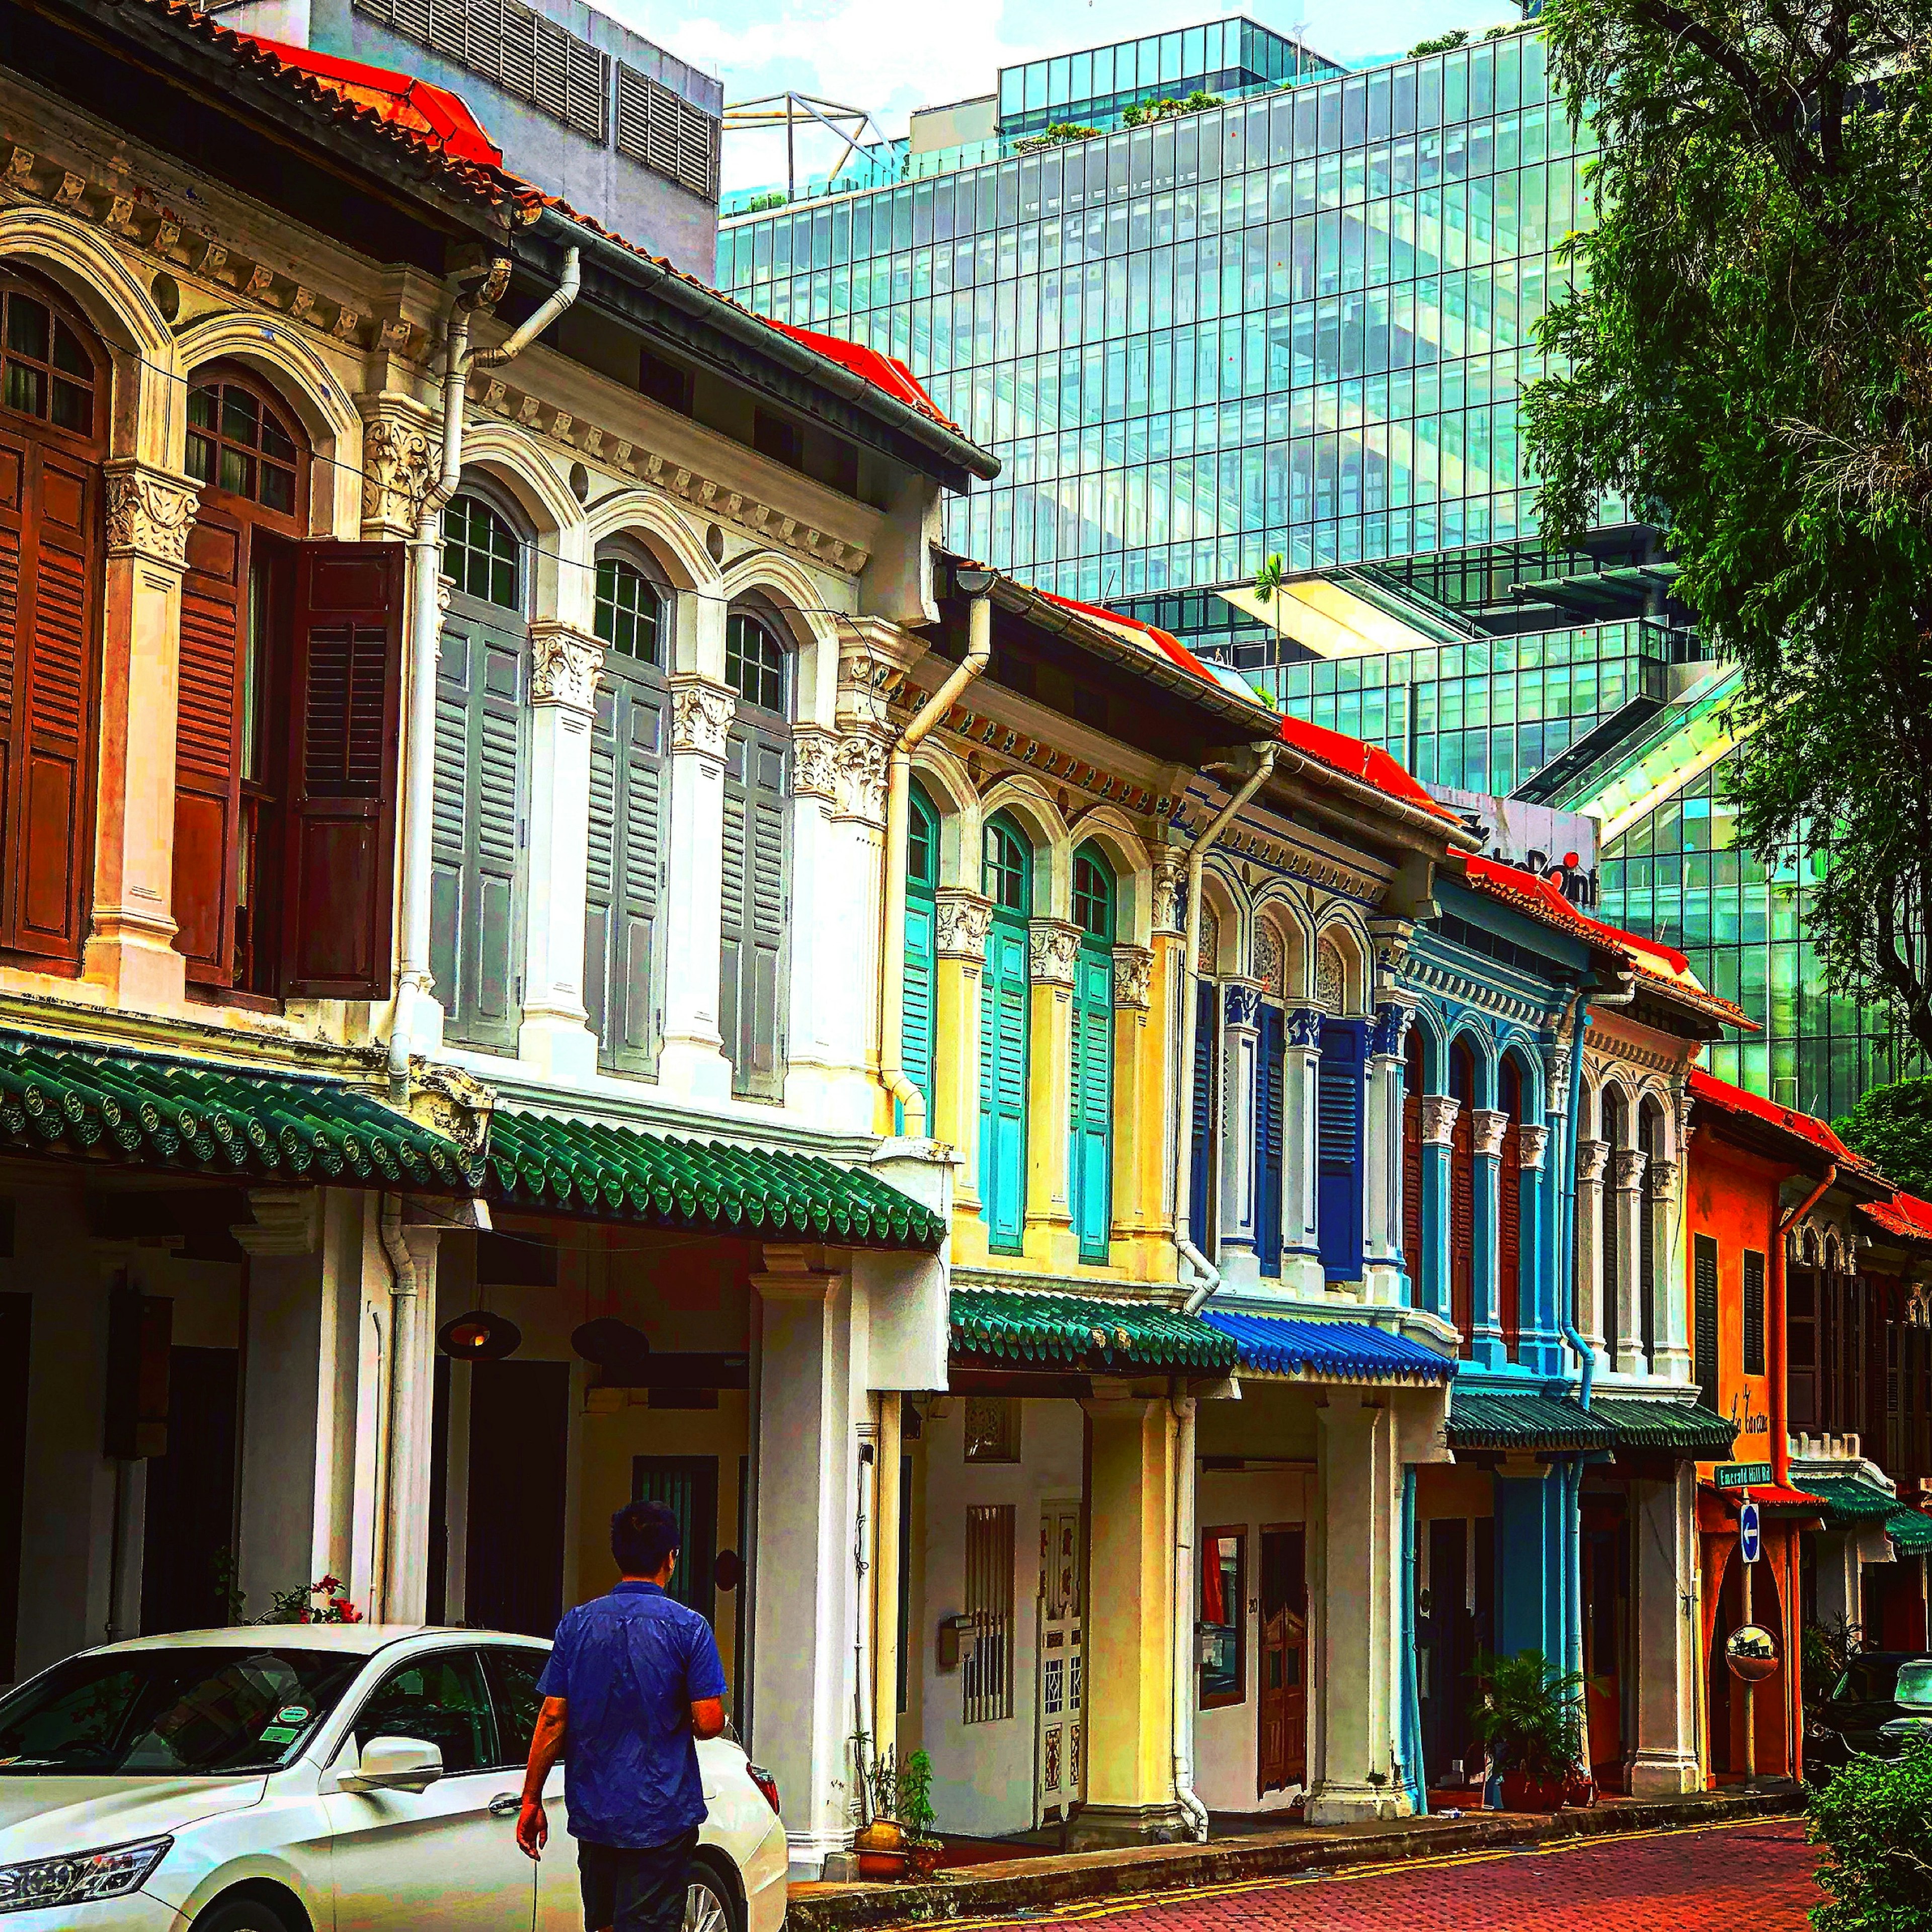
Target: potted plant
{"type": "Point", "coordinates": [914, 1799]}
{"type": "Point", "coordinates": [1528, 1716]}
{"type": "Point", "coordinates": [880, 1843]}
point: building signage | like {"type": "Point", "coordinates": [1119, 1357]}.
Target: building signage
{"type": "Point", "coordinates": [1742, 1475]}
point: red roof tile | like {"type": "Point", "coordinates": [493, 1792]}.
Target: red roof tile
{"type": "Point", "coordinates": [1905, 1216]}
{"type": "Point", "coordinates": [1721, 1094]}
{"type": "Point", "coordinates": [438, 118]}
{"type": "Point", "coordinates": [883, 372]}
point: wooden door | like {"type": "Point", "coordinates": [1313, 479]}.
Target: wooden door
{"type": "Point", "coordinates": [1281, 1742]}
{"type": "Point", "coordinates": [1059, 1765]}
{"type": "Point", "coordinates": [1603, 1610]}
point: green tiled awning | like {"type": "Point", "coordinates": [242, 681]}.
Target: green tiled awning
{"type": "Point", "coordinates": [1017, 1329]}
{"type": "Point", "coordinates": [1847, 1500]}
{"type": "Point", "coordinates": [111, 1104]}
{"type": "Point", "coordinates": [544, 1166]}
{"type": "Point", "coordinates": [1687, 1430]}
{"type": "Point", "coordinates": [1484, 1419]}
{"type": "Point", "coordinates": [1910, 1531]}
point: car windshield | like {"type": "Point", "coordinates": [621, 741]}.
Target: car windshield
{"type": "Point", "coordinates": [1867, 1680]}
{"type": "Point", "coordinates": [213, 1712]}
{"type": "Point", "coordinates": [1915, 1683]}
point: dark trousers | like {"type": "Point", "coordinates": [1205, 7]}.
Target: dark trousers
{"type": "Point", "coordinates": [635, 1889]}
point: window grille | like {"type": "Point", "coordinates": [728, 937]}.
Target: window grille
{"type": "Point", "coordinates": [986, 1680]}
{"type": "Point", "coordinates": [992, 1429]}
{"type": "Point", "coordinates": [664, 131]}
{"type": "Point", "coordinates": [526, 56]}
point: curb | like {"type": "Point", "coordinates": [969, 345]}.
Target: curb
{"type": "Point", "coordinates": [1026, 1887]}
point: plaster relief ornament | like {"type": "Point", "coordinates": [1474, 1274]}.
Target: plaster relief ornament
{"type": "Point", "coordinates": [1168, 872]}
{"type": "Point", "coordinates": [1331, 979]}
{"type": "Point", "coordinates": [1438, 1118]}
{"type": "Point", "coordinates": [1391, 1029]}
{"type": "Point", "coordinates": [395, 472]}
{"type": "Point", "coordinates": [1133, 976]}
{"type": "Point", "coordinates": [564, 665]}
{"type": "Point", "coordinates": [1630, 1162]}
{"type": "Point", "coordinates": [1661, 1177]}
{"type": "Point", "coordinates": [1304, 1027]}
{"type": "Point", "coordinates": [1487, 1128]}
{"type": "Point", "coordinates": [814, 768]}
{"type": "Point", "coordinates": [960, 927]}
{"type": "Point", "coordinates": [1268, 957]}
{"type": "Point", "coordinates": [1053, 952]}
{"type": "Point", "coordinates": [1210, 939]}
{"type": "Point", "coordinates": [1533, 1142]}
{"type": "Point", "coordinates": [150, 513]}
{"type": "Point", "coordinates": [1244, 1004]}
{"type": "Point", "coordinates": [1593, 1158]}
{"type": "Point", "coordinates": [700, 718]}
{"type": "Point", "coordinates": [861, 763]}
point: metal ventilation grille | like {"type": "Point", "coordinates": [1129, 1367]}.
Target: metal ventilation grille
{"type": "Point", "coordinates": [526, 56]}
{"type": "Point", "coordinates": [666, 133]}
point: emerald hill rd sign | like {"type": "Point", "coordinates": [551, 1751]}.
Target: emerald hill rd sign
{"type": "Point", "coordinates": [1742, 1475]}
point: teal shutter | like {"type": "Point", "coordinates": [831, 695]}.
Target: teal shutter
{"type": "Point", "coordinates": [757, 889]}
{"type": "Point", "coordinates": [628, 799]}
{"type": "Point", "coordinates": [916, 1017]}
{"type": "Point", "coordinates": [1091, 1154]}
{"type": "Point", "coordinates": [1003, 1002]}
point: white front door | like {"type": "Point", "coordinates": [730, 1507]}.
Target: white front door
{"type": "Point", "coordinates": [1059, 1765]}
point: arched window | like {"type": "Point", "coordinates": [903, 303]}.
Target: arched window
{"type": "Point", "coordinates": [1005, 1029]}
{"type": "Point", "coordinates": [482, 755]}
{"type": "Point", "coordinates": [916, 1015]}
{"type": "Point", "coordinates": [1414, 1255]}
{"type": "Point", "coordinates": [1206, 1060]}
{"type": "Point", "coordinates": [757, 856]}
{"type": "Point", "coordinates": [1650, 1138]}
{"type": "Point", "coordinates": [630, 813]}
{"type": "Point", "coordinates": [244, 443]}
{"type": "Point", "coordinates": [1463, 1192]}
{"type": "Point", "coordinates": [52, 438]}
{"type": "Point", "coordinates": [1093, 1069]}
{"type": "Point", "coordinates": [1616, 1132]}
{"type": "Point", "coordinates": [1509, 1210]}
{"type": "Point", "coordinates": [1271, 1070]}
{"type": "Point", "coordinates": [1340, 1078]}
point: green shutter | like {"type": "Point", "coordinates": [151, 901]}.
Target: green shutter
{"type": "Point", "coordinates": [627, 794]}
{"type": "Point", "coordinates": [916, 1019]}
{"type": "Point", "coordinates": [1090, 1156]}
{"type": "Point", "coordinates": [757, 886]}
{"type": "Point", "coordinates": [1003, 1017]}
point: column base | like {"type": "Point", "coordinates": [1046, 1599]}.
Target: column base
{"type": "Point", "coordinates": [694, 1069]}
{"type": "Point", "coordinates": [559, 1044]}
{"type": "Point", "coordinates": [1384, 1285]}
{"type": "Point", "coordinates": [1671, 1364]}
{"type": "Point", "coordinates": [1337, 1804]}
{"type": "Point", "coordinates": [1659, 1773]}
{"type": "Point", "coordinates": [139, 968]}
{"type": "Point", "coordinates": [807, 1854]}
{"type": "Point", "coordinates": [1239, 1267]}
{"type": "Point", "coordinates": [1050, 1240]}
{"type": "Point", "coordinates": [1302, 1277]}
{"type": "Point", "coordinates": [1630, 1362]}
{"type": "Point", "coordinates": [1103, 1827]}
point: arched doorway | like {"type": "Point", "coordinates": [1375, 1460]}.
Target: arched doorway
{"type": "Point", "coordinates": [1769, 1696]}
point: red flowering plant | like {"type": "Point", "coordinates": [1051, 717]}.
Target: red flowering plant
{"type": "Point", "coordinates": [299, 1606]}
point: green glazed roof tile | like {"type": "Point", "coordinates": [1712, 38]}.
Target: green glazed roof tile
{"type": "Point", "coordinates": [1486, 1419]}
{"type": "Point", "coordinates": [105, 1103]}
{"type": "Point", "coordinates": [1846, 1499]}
{"type": "Point", "coordinates": [1911, 1531]}
{"type": "Point", "coordinates": [1018, 1328]}
{"type": "Point", "coordinates": [538, 1163]}
{"type": "Point", "coordinates": [1693, 1432]}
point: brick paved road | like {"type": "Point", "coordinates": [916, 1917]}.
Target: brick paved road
{"type": "Point", "coordinates": [1753, 1876]}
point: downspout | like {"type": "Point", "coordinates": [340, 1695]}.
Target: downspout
{"type": "Point", "coordinates": [425, 623]}
{"type": "Point", "coordinates": [1184, 1407]}
{"type": "Point", "coordinates": [1781, 1437]}
{"type": "Point", "coordinates": [400, 1423]}
{"type": "Point", "coordinates": [1207, 1277]}
{"type": "Point", "coordinates": [1411, 1681]}
{"type": "Point", "coordinates": [898, 783]}
{"type": "Point", "coordinates": [1566, 1285]}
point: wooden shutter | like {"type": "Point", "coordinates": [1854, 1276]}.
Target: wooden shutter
{"type": "Point", "coordinates": [1201, 1117]}
{"type": "Point", "coordinates": [629, 801]}
{"type": "Point", "coordinates": [1509, 1236]}
{"type": "Point", "coordinates": [916, 1011]}
{"type": "Point", "coordinates": [1704, 1316]}
{"type": "Point", "coordinates": [477, 841]}
{"type": "Point", "coordinates": [1338, 1127]}
{"type": "Point", "coordinates": [757, 890]}
{"type": "Point", "coordinates": [1270, 1059]}
{"type": "Point", "coordinates": [1802, 1346]}
{"type": "Point", "coordinates": [1092, 1080]}
{"type": "Point", "coordinates": [345, 724]}
{"type": "Point", "coordinates": [1646, 1269]}
{"type": "Point", "coordinates": [1413, 1258]}
{"type": "Point", "coordinates": [207, 776]}
{"type": "Point", "coordinates": [49, 621]}
{"type": "Point", "coordinates": [1004, 1000]}
{"type": "Point", "coordinates": [1461, 1224]}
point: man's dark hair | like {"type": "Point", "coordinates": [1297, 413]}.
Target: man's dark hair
{"type": "Point", "coordinates": [642, 1535]}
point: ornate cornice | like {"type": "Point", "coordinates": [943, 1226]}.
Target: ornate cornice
{"type": "Point", "coordinates": [1422, 973]}
{"type": "Point", "coordinates": [150, 512]}
{"type": "Point", "coordinates": [1486, 1129]}
{"type": "Point", "coordinates": [1053, 952]}
{"type": "Point", "coordinates": [565, 663]}
{"type": "Point", "coordinates": [1133, 976]}
{"type": "Point", "coordinates": [1534, 1143]}
{"type": "Point", "coordinates": [1438, 1119]}
{"type": "Point", "coordinates": [960, 923]}
{"type": "Point", "coordinates": [700, 716]}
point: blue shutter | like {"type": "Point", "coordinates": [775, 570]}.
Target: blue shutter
{"type": "Point", "coordinates": [1004, 1000]}
{"type": "Point", "coordinates": [916, 1011]}
{"type": "Point", "coordinates": [1091, 1153]}
{"type": "Point", "coordinates": [1270, 1056]}
{"type": "Point", "coordinates": [1201, 1117]}
{"type": "Point", "coordinates": [1338, 1129]}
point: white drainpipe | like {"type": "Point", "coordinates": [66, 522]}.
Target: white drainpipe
{"type": "Point", "coordinates": [1184, 1407]}
{"type": "Point", "coordinates": [425, 622]}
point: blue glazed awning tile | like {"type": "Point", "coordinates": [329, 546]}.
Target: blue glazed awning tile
{"type": "Point", "coordinates": [1328, 1351]}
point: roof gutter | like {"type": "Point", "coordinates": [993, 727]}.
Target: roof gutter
{"type": "Point", "coordinates": [719, 312]}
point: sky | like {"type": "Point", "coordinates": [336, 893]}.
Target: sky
{"type": "Point", "coordinates": [890, 56]}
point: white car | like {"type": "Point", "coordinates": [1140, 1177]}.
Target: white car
{"type": "Point", "coordinates": [320, 1777]}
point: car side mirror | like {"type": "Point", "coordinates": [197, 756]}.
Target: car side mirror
{"type": "Point", "coordinates": [394, 1764]}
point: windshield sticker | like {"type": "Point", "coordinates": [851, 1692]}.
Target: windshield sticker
{"type": "Point", "coordinates": [293, 1714]}
{"type": "Point", "coordinates": [280, 1734]}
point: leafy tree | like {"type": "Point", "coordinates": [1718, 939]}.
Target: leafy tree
{"type": "Point", "coordinates": [1747, 357]}
{"type": "Point", "coordinates": [1892, 1127]}
{"type": "Point", "coordinates": [1875, 1819]}
{"type": "Point", "coordinates": [1441, 43]}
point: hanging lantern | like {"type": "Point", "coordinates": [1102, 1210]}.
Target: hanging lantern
{"type": "Point", "coordinates": [613, 1345]}
{"type": "Point", "coordinates": [479, 1337]}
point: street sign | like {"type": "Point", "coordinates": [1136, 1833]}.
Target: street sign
{"type": "Point", "coordinates": [1742, 1475]}
{"type": "Point", "coordinates": [1748, 1541]}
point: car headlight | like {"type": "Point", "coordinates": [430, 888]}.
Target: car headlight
{"type": "Point", "coordinates": [78, 1878]}
{"type": "Point", "coordinates": [1819, 1734]}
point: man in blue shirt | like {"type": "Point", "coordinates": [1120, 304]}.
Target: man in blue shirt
{"type": "Point", "coordinates": [633, 1679]}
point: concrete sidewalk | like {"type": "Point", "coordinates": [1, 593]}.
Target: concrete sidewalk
{"type": "Point", "coordinates": [1029, 1886]}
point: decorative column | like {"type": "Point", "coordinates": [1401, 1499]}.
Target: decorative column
{"type": "Point", "coordinates": [1382, 1202]}
{"type": "Point", "coordinates": [692, 1061]}
{"type": "Point", "coordinates": [1169, 988]}
{"type": "Point", "coordinates": [1053, 953]}
{"type": "Point", "coordinates": [130, 947]}
{"type": "Point", "coordinates": [1592, 1160]}
{"type": "Point", "coordinates": [1239, 1057]}
{"type": "Point", "coordinates": [555, 1034]}
{"type": "Point", "coordinates": [1140, 1098]}
{"type": "Point", "coordinates": [959, 943]}
{"type": "Point", "coordinates": [1667, 1648]}
{"type": "Point", "coordinates": [1439, 1132]}
{"type": "Point", "coordinates": [1486, 1129]}
{"type": "Point", "coordinates": [1539, 1345]}
{"type": "Point", "coordinates": [1300, 1224]}
{"type": "Point", "coordinates": [1670, 1345]}
{"type": "Point", "coordinates": [1627, 1177]}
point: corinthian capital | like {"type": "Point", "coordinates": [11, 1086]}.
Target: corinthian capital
{"type": "Point", "coordinates": [398, 463]}
{"type": "Point", "coordinates": [1053, 952]}
{"type": "Point", "coordinates": [701, 716]}
{"type": "Point", "coordinates": [1486, 1129]}
{"type": "Point", "coordinates": [959, 932]}
{"type": "Point", "coordinates": [1133, 976]}
{"type": "Point", "coordinates": [1630, 1162]}
{"type": "Point", "coordinates": [149, 513]}
{"type": "Point", "coordinates": [1534, 1141]}
{"type": "Point", "coordinates": [861, 760]}
{"type": "Point", "coordinates": [564, 665]}
{"type": "Point", "coordinates": [1438, 1119]}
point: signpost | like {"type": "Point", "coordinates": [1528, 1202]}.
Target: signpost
{"type": "Point", "coordinates": [1749, 1540]}
{"type": "Point", "coordinates": [1742, 1475]}
{"type": "Point", "coordinates": [1749, 1546]}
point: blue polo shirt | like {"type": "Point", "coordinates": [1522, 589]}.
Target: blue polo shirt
{"type": "Point", "coordinates": [631, 1665]}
